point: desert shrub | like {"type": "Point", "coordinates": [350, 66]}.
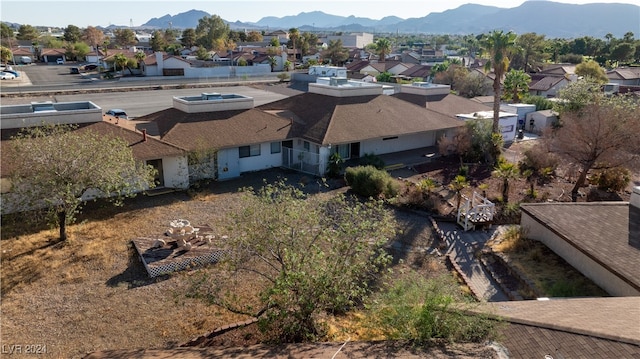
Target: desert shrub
{"type": "Point", "coordinates": [370, 159]}
{"type": "Point", "coordinates": [427, 309]}
{"type": "Point", "coordinates": [612, 179]}
{"type": "Point", "coordinates": [369, 181]}
{"type": "Point", "coordinates": [542, 103]}
{"type": "Point", "coordinates": [514, 240]}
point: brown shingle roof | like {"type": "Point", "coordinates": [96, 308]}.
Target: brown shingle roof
{"type": "Point", "coordinates": [142, 150]}
{"type": "Point", "coordinates": [333, 120]}
{"type": "Point", "coordinates": [600, 230]}
{"type": "Point", "coordinates": [448, 104]}
{"type": "Point", "coordinates": [219, 129]}
{"type": "Point", "coordinates": [546, 83]}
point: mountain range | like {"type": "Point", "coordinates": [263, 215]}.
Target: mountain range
{"type": "Point", "coordinates": [553, 19]}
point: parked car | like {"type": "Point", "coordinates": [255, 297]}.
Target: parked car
{"type": "Point", "coordinates": [74, 70]}
{"type": "Point", "coordinates": [60, 61]}
{"type": "Point", "coordinates": [7, 75]}
{"type": "Point", "coordinates": [13, 72]}
{"type": "Point", "coordinates": [117, 113]}
{"type": "Point", "coordinates": [90, 67]}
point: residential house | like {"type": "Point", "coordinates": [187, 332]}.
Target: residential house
{"type": "Point", "coordinates": [626, 76]}
{"type": "Point", "coordinates": [417, 72]}
{"type": "Point", "coordinates": [299, 132]}
{"type": "Point", "coordinates": [392, 67]}
{"type": "Point", "coordinates": [549, 86]}
{"type": "Point", "coordinates": [600, 239]}
{"type": "Point", "coordinates": [168, 159]}
{"type": "Point", "coordinates": [508, 122]}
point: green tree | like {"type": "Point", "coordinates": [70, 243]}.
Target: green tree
{"type": "Point", "coordinates": [592, 70]}
{"type": "Point", "coordinates": [202, 53]}
{"type": "Point", "coordinates": [212, 32]}
{"type": "Point", "coordinates": [309, 42]}
{"type": "Point", "coordinates": [72, 34]}
{"type": "Point", "coordinates": [505, 171]}
{"type": "Point", "coordinates": [189, 38]}
{"type": "Point", "coordinates": [602, 131]}
{"type": "Point", "coordinates": [336, 52]}
{"type": "Point", "coordinates": [313, 256]}
{"type": "Point", "coordinates": [498, 45]}
{"type": "Point", "coordinates": [27, 32]}
{"type": "Point", "coordinates": [384, 77]}
{"type": "Point", "coordinates": [6, 35]}
{"type": "Point", "coordinates": [5, 54]}
{"type": "Point", "coordinates": [623, 52]}
{"type": "Point", "coordinates": [81, 50]}
{"type": "Point", "coordinates": [516, 85]}
{"type": "Point", "coordinates": [383, 48]}
{"type": "Point", "coordinates": [158, 42]}
{"type": "Point", "coordinates": [274, 42]}
{"type": "Point", "coordinates": [532, 50]}
{"type": "Point", "coordinates": [125, 37]}
{"type": "Point", "coordinates": [56, 165]}
{"type": "Point", "coordinates": [119, 60]}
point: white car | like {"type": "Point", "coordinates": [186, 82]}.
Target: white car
{"type": "Point", "coordinates": [60, 62]}
{"type": "Point", "coordinates": [7, 76]}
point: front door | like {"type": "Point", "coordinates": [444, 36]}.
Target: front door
{"type": "Point", "coordinates": [159, 176]}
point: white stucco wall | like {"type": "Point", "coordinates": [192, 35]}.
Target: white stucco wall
{"type": "Point", "coordinates": [591, 269]}
{"type": "Point", "coordinates": [402, 143]}
{"type": "Point", "coordinates": [264, 161]}
{"type": "Point", "coordinates": [175, 171]}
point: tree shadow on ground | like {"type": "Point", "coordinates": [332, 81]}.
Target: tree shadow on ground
{"type": "Point", "coordinates": [135, 275]}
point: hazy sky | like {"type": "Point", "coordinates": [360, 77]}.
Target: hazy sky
{"type": "Point", "coordinates": [83, 13]}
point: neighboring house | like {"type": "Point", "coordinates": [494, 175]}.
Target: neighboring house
{"type": "Point", "coordinates": [161, 64]}
{"type": "Point", "coordinates": [549, 86]}
{"type": "Point", "coordinates": [417, 71]}
{"type": "Point", "coordinates": [445, 103]}
{"type": "Point", "coordinates": [50, 56]}
{"type": "Point", "coordinates": [627, 76]}
{"type": "Point", "coordinates": [599, 239]}
{"type": "Point", "coordinates": [410, 57]}
{"type": "Point", "coordinates": [19, 52]}
{"type": "Point", "coordinates": [392, 67]}
{"type": "Point", "coordinates": [169, 160]}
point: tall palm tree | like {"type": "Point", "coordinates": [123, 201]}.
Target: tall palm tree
{"type": "Point", "coordinates": [294, 36]}
{"type": "Point", "coordinates": [497, 46]}
{"type": "Point", "coordinates": [383, 47]}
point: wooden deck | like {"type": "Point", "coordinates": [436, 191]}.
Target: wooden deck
{"type": "Point", "coordinates": [171, 257]}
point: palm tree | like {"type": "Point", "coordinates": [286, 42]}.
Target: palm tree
{"type": "Point", "coordinates": [336, 52]}
{"type": "Point", "coordinates": [272, 62]}
{"type": "Point", "coordinates": [294, 36]}
{"type": "Point", "coordinates": [140, 56]}
{"type": "Point", "coordinates": [459, 183]}
{"type": "Point", "coordinates": [383, 47]}
{"type": "Point", "coordinates": [497, 46]}
{"type": "Point", "coordinates": [119, 60]}
{"type": "Point", "coordinates": [505, 171]}
{"type": "Point", "coordinates": [516, 84]}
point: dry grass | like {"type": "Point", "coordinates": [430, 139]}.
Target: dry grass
{"type": "Point", "coordinates": [552, 276]}
{"type": "Point", "coordinates": [92, 292]}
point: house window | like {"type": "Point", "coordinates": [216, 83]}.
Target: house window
{"type": "Point", "coordinates": [276, 147]}
{"type": "Point", "coordinates": [249, 151]}
{"type": "Point", "coordinates": [307, 146]}
{"type": "Point", "coordinates": [342, 150]}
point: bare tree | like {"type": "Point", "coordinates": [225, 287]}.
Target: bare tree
{"type": "Point", "coordinates": [598, 133]}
